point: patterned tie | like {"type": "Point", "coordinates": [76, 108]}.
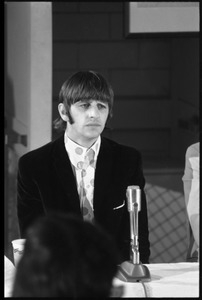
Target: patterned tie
{"type": "Point", "coordinates": [86, 185]}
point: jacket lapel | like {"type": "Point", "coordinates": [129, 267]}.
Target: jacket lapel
{"type": "Point", "coordinates": [103, 172]}
{"type": "Point", "coordinates": [65, 173]}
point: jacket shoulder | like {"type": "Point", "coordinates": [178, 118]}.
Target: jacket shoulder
{"type": "Point", "coordinates": [120, 149]}
{"type": "Point", "coordinates": [41, 154]}
{"type": "Point", "coordinates": [118, 145]}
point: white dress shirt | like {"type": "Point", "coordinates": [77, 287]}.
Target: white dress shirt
{"type": "Point", "coordinates": [77, 155]}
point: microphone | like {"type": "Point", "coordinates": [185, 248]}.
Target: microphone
{"type": "Point", "coordinates": [133, 270]}
{"type": "Point", "coordinates": [133, 194]}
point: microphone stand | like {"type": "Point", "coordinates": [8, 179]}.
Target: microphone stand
{"type": "Point", "coordinates": [133, 270]}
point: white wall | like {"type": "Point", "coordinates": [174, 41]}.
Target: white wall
{"type": "Point", "coordinates": [28, 94]}
{"type": "Point", "coordinates": [29, 71]}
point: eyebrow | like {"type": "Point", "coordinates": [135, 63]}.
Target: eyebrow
{"type": "Point", "coordinates": [91, 100]}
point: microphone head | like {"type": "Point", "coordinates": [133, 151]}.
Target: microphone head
{"type": "Point", "coordinates": [133, 194]}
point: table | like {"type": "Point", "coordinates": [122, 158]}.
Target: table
{"type": "Point", "coordinates": [9, 274]}
{"type": "Point", "coordinates": [167, 280]}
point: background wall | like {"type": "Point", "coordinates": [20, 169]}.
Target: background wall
{"type": "Point", "coordinates": [156, 85]}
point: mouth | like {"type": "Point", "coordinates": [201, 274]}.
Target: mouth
{"type": "Point", "coordinates": [93, 125]}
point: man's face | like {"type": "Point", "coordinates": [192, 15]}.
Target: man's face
{"type": "Point", "coordinates": [89, 118]}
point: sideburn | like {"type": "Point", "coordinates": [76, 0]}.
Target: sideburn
{"type": "Point", "coordinates": [71, 121]}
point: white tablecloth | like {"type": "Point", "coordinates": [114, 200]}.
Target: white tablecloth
{"type": "Point", "coordinates": [167, 280]}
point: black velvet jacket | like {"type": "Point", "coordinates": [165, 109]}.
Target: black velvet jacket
{"type": "Point", "coordinates": [46, 183]}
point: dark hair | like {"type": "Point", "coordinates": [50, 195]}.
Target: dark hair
{"type": "Point", "coordinates": [65, 256]}
{"type": "Point", "coordinates": [84, 85]}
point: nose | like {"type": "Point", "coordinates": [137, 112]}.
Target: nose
{"type": "Point", "coordinates": [94, 112]}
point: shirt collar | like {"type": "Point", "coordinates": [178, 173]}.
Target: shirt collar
{"type": "Point", "coordinates": [79, 155]}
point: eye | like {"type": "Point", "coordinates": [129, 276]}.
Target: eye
{"type": "Point", "coordinates": [84, 105]}
{"type": "Point", "coordinates": [101, 106]}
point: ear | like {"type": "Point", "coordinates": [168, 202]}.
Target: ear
{"type": "Point", "coordinates": [62, 112]}
{"type": "Point", "coordinates": [117, 291]}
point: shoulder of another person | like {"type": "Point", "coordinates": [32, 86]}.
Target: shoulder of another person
{"type": "Point", "coordinates": [193, 150]}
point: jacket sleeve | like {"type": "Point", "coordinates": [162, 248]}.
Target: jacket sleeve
{"type": "Point", "coordinates": [29, 203]}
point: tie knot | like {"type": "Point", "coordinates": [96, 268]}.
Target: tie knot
{"type": "Point", "coordinates": [88, 160]}
{"type": "Point", "coordinates": [90, 155]}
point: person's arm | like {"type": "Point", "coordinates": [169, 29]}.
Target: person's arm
{"type": "Point", "coordinates": [191, 190]}
{"type": "Point", "coordinates": [29, 204]}
{"type": "Point", "coordinates": [9, 276]}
